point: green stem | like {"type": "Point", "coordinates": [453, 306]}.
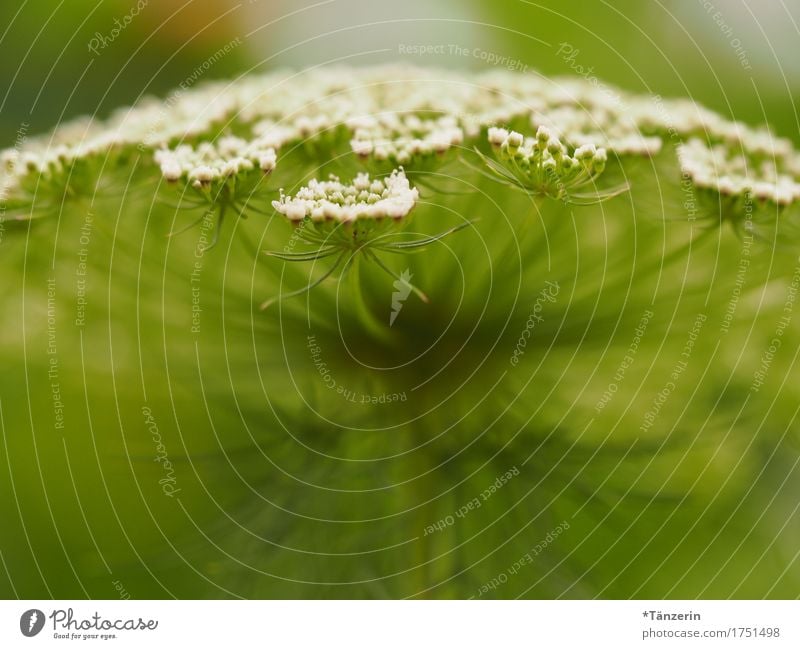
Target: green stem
{"type": "Point", "coordinates": [365, 315]}
{"type": "Point", "coordinates": [422, 489]}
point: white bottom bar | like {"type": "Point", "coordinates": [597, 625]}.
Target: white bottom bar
{"type": "Point", "coordinates": [400, 624]}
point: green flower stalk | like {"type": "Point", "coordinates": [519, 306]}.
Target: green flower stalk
{"type": "Point", "coordinates": [351, 220]}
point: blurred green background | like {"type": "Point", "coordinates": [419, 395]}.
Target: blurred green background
{"type": "Point", "coordinates": [733, 56]}
{"type": "Point", "coordinates": [708, 511]}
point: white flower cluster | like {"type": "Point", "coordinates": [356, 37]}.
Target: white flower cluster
{"type": "Point", "coordinates": [81, 139]}
{"type": "Point", "coordinates": [149, 124]}
{"type": "Point", "coordinates": [544, 164]}
{"type": "Point", "coordinates": [763, 175]}
{"type": "Point", "coordinates": [401, 138]}
{"type": "Point", "coordinates": [377, 198]}
{"type": "Point", "coordinates": [276, 134]}
{"type": "Point", "coordinates": [206, 163]}
{"type": "Point", "coordinates": [402, 114]}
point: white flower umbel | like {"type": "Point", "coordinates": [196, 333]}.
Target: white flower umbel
{"type": "Point", "coordinates": [353, 221]}
{"type": "Point", "coordinates": [206, 163]}
{"type": "Point", "coordinates": [404, 139]}
{"type": "Point", "coordinates": [766, 175]}
{"type": "Point", "coordinates": [225, 176]}
{"type": "Point", "coordinates": [364, 198]}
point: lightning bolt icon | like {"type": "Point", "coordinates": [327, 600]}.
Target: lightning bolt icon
{"type": "Point", "coordinates": [402, 290]}
{"type": "Point", "coordinates": [34, 617]}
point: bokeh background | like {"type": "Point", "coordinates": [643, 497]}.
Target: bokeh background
{"type": "Point", "coordinates": [670, 48]}
{"type": "Point", "coordinates": [77, 520]}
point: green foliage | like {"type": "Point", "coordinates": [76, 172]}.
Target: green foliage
{"type": "Point", "coordinates": [606, 365]}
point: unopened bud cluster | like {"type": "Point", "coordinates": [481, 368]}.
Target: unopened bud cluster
{"type": "Point", "coordinates": [604, 127]}
{"type": "Point", "coordinates": [544, 164]}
